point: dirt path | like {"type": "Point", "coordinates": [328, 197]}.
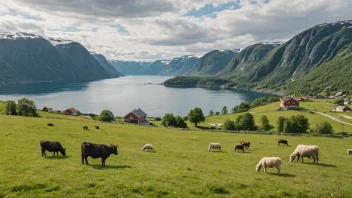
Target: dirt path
{"type": "Point", "coordinates": [332, 118]}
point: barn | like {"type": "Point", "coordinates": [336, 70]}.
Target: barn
{"type": "Point", "coordinates": [136, 116]}
{"type": "Point", "coordinates": [70, 111]}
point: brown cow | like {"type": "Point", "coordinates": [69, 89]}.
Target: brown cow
{"type": "Point", "coordinates": [50, 124]}
{"type": "Point", "coordinates": [282, 141]}
{"type": "Point", "coordinates": [85, 127]}
{"type": "Point", "coordinates": [246, 144]}
{"type": "Point", "coordinates": [239, 147]}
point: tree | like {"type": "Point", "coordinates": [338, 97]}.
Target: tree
{"type": "Point", "coordinates": [280, 124]}
{"type": "Point", "coordinates": [26, 107]}
{"type": "Point", "coordinates": [229, 125]}
{"type": "Point", "coordinates": [180, 122]}
{"type": "Point", "coordinates": [196, 115]}
{"type": "Point", "coordinates": [324, 128]}
{"type": "Point", "coordinates": [244, 106]}
{"type": "Point", "coordinates": [217, 113]}
{"type": "Point", "coordinates": [211, 113]}
{"type": "Point", "coordinates": [339, 101]}
{"type": "Point", "coordinates": [224, 110]}
{"type": "Point", "coordinates": [10, 108]}
{"type": "Point", "coordinates": [169, 120]}
{"type": "Point", "coordinates": [245, 122]}
{"type": "Point", "coordinates": [107, 116]}
{"type": "Point", "coordinates": [265, 123]}
{"type": "Point", "coordinates": [296, 124]}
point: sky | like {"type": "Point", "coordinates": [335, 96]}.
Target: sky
{"type": "Point", "coordinates": [163, 29]}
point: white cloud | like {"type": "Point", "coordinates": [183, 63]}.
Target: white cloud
{"type": "Point", "coordinates": [153, 29]}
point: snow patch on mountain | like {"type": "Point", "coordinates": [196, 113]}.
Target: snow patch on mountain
{"type": "Point", "coordinates": [275, 43]}
{"type": "Point", "coordinates": [58, 41]}
{"type": "Point", "coordinates": [18, 35]}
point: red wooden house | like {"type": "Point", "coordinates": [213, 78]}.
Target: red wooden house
{"type": "Point", "coordinates": [70, 111]}
{"type": "Point", "coordinates": [289, 103]}
{"type": "Point", "coordinates": [136, 116]}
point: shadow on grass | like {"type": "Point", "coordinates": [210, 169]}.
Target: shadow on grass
{"type": "Point", "coordinates": [101, 167]}
{"type": "Point", "coordinates": [283, 174]}
{"type": "Point", "coordinates": [56, 157]}
{"type": "Point", "coordinates": [323, 165]}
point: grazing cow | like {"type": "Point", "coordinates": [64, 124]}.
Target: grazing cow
{"type": "Point", "coordinates": [246, 144]}
{"type": "Point", "coordinates": [282, 141]}
{"type": "Point", "coordinates": [50, 124]}
{"type": "Point", "coordinates": [97, 127]}
{"type": "Point", "coordinates": [52, 147]}
{"type": "Point", "coordinates": [239, 147]}
{"type": "Point", "coordinates": [97, 151]}
{"type": "Point", "coordinates": [85, 127]}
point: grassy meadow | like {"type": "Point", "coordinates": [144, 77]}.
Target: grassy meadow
{"type": "Point", "coordinates": [181, 166]}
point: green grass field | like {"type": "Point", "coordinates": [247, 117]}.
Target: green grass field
{"type": "Point", "coordinates": [181, 167]}
{"type": "Point", "coordinates": [272, 114]}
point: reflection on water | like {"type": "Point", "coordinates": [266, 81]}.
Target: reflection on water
{"type": "Point", "coordinates": [122, 95]}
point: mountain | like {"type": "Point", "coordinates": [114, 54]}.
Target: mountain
{"type": "Point", "coordinates": [180, 65]}
{"type": "Point", "coordinates": [27, 57]}
{"type": "Point", "coordinates": [298, 56]}
{"type": "Point", "coordinates": [130, 67]}
{"type": "Point", "coordinates": [247, 58]}
{"type": "Point", "coordinates": [156, 67]}
{"type": "Point", "coordinates": [213, 62]}
{"type": "Point", "coordinates": [113, 73]}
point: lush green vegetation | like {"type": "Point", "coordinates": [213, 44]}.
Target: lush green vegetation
{"type": "Point", "coordinates": [181, 167]}
{"type": "Point", "coordinates": [187, 81]}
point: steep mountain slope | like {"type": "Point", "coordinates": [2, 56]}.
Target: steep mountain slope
{"type": "Point", "coordinates": [180, 65]}
{"type": "Point", "coordinates": [299, 56]}
{"type": "Point", "coordinates": [212, 62]}
{"type": "Point", "coordinates": [27, 58]}
{"type": "Point", "coordinates": [156, 67]}
{"type": "Point", "coordinates": [247, 58]}
{"type": "Point", "coordinates": [330, 77]}
{"type": "Point", "coordinates": [130, 67]}
{"type": "Point", "coordinates": [113, 73]}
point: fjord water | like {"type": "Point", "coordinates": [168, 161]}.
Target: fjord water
{"type": "Point", "coordinates": [121, 95]}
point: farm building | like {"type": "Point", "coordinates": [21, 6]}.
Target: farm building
{"type": "Point", "coordinates": [289, 103]}
{"type": "Point", "coordinates": [45, 109]}
{"type": "Point", "coordinates": [70, 111]}
{"type": "Point", "coordinates": [342, 109]}
{"type": "Point", "coordinates": [136, 116]}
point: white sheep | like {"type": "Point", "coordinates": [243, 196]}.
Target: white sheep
{"type": "Point", "coordinates": [214, 146]}
{"type": "Point", "coordinates": [306, 151]}
{"type": "Point", "coordinates": [349, 151]}
{"type": "Point", "coordinates": [148, 147]}
{"type": "Point", "coordinates": [269, 162]}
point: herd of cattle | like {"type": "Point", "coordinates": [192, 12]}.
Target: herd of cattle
{"type": "Point", "coordinates": [103, 151]}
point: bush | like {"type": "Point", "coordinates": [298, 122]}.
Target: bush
{"type": "Point", "coordinates": [26, 107]}
{"type": "Point", "coordinates": [168, 120]}
{"type": "Point", "coordinates": [10, 108]}
{"type": "Point", "coordinates": [106, 116]}
{"type": "Point", "coordinates": [324, 128]}
{"type": "Point", "coordinates": [245, 122]}
{"type": "Point", "coordinates": [265, 123]}
{"type": "Point", "coordinates": [228, 125]}
{"type": "Point", "coordinates": [180, 122]}
{"type": "Point", "coordinates": [339, 101]}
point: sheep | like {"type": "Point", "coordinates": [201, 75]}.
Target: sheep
{"type": "Point", "coordinates": [349, 151]}
{"type": "Point", "coordinates": [215, 146]}
{"type": "Point", "coordinates": [269, 162]}
{"type": "Point", "coordinates": [148, 147]}
{"type": "Point", "coordinates": [239, 147]}
{"type": "Point", "coordinates": [306, 151]}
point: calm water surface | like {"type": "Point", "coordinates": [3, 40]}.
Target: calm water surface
{"type": "Point", "coordinates": [121, 95]}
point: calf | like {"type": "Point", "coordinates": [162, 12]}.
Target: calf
{"type": "Point", "coordinates": [246, 144]}
{"type": "Point", "coordinates": [97, 151]}
{"type": "Point", "coordinates": [239, 147]}
{"type": "Point", "coordinates": [52, 147]}
{"type": "Point", "coordinates": [50, 124]}
{"type": "Point", "coordinates": [85, 127]}
{"type": "Point", "coordinates": [282, 141]}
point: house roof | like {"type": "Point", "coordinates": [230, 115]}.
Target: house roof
{"type": "Point", "coordinates": [284, 99]}
{"type": "Point", "coordinates": [73, 110]}
{"type": "Point", "coordinates": [139, 113]}
{"type": "Point", "coordinates": [341, 107]}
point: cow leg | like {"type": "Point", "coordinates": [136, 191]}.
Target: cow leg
{"type": "Point", "coordinates": [86, 159]}
{"type": "Point", "coordinates": [103, 161]}
{"type": "Point", "coordinates": [302, 160]}
{"type": "Point", "coordinates": [43, 152]}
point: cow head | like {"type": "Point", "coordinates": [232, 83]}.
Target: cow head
{"type": "Point", "coordinates": [63, 151]}
{"type": "Point", "coordinates": [114, 149]}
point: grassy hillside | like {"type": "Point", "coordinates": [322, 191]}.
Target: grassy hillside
{"type": "Point", "coordinates": [181, 167]}
{"type": "Point", "coordinates": [272, 114]}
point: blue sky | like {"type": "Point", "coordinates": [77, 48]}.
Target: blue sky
{"type": "Point", "coordinates": [164, 29]}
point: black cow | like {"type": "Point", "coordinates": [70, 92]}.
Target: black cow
{"type": "Point", "coordinates": [85, 127]}
{"type": "Point", "coordinates": [50, 124]}
{"type": "Point", "coordinates": [97, 127]}
{"type": "Point", "coordinates": [52, 147]}
{"type": "Point", "coordinates": [97, 150]}
{"type": "Point", "coordinates": [282, 141]}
